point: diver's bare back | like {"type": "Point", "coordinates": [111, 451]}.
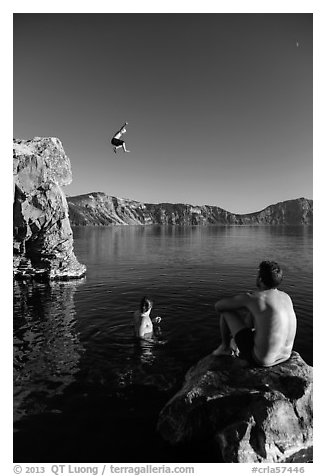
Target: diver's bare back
{"type": "Point", "coordinates": [275, 325]}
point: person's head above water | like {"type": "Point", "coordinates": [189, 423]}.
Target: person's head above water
{"type": "Point", "coordinates": [146, 304]}
{"type": "Point", "coordinates": [270, 275]}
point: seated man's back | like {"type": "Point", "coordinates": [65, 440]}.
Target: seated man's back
{"type": "Point", "coordinates": [275, 326]}
{"type": "Point", "coordinates": [271, 315]}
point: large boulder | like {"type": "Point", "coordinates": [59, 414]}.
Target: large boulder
{"type": "Point", "coordinates": [244, 414]}
{"type": "Point", "coordinates": [43, 240]}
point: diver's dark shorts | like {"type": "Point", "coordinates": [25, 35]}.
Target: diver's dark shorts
{"type": "Point", "coordinates": [245, 342]}
{"type": "Point", "coordinates": [116, 142]}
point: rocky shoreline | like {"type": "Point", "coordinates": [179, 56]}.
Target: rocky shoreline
{"type": "Point", "coordinates": [101, 209]}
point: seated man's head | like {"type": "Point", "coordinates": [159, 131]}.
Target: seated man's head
{"type": "Point", "coordinates": [146, 304]}
{"type": "Point", "coordinates": [270, 275]}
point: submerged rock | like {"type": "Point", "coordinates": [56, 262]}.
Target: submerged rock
{"type": "Point", "coordinates": [43, 240]}
{"type": "Point", "coordinates": [245, 414]}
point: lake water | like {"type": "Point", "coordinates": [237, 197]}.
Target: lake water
{"type": "Point", "coordinates": [85, 389]}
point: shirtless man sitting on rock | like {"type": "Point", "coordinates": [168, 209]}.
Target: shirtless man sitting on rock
{"type": "Point", "coordinates": [265, 334]}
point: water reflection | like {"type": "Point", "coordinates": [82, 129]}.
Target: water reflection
{"type": "Point", "coordinates": [47, 348]}
{"type": "Point", "coordinates": [146, 353]}
{"type": "Point", "coordinates": [144, 349]}
{"type": "Point", "coordinates": [148, 364]}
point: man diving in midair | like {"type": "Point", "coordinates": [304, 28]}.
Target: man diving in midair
{"type": "Point", "coordinates": [117, 142]}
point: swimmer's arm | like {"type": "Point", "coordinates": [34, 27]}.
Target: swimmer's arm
{"type": "Point", "coordinates": [232, 303]}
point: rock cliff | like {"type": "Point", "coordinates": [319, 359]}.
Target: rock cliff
{"type": "Point", "coordinates": [243, 414]}
{"type": "Point", "coordinates": [43, 240]}
{"type": "Point", "coordinates": [100, 209]}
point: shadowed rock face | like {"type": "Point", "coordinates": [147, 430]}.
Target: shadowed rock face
{"type": "Point", "coordinates": [101, 209]}
{"type": "Point", "coordinates": [43, 240]}
{"type": "Point", "coordinates": [246, 414]}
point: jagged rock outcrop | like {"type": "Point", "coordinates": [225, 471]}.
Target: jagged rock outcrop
{"type": "Point", "coordinates": [101, 209]}
{"type": "Point", "coordinates": [43, 240]}
{"type": "Point", "coordinates": [244, 414]}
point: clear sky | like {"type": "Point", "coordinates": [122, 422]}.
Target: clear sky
{"type": "Point", "coordinates": [219, 106]}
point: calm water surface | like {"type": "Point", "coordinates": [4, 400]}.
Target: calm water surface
{"type": "Point", "coordinates": [85, 388]}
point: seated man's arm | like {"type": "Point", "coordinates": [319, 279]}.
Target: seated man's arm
{"type": "Point", "coordinates": [232, 303]}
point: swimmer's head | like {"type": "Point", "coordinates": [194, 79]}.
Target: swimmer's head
{"type": "Point", "coordinates": [146, 304]}
{"type": "Point", "coordinates": [270, 274]}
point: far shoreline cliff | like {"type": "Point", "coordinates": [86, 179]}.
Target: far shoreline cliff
{"type": "Point", "coordinates": [100, 209]}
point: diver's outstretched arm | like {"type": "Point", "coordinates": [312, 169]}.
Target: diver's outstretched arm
{"type": "Point", "coordinates": [125, 124]}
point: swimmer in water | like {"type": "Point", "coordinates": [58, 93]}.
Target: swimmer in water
{"type": "Point", "coordinates": [142, 320]}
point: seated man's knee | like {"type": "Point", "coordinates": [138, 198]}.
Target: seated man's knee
{"type": "Point", "coordinates": [234, 322]}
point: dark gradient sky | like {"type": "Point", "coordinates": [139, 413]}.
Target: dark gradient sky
{"type": "Point", "coordinates": [219, 106]}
